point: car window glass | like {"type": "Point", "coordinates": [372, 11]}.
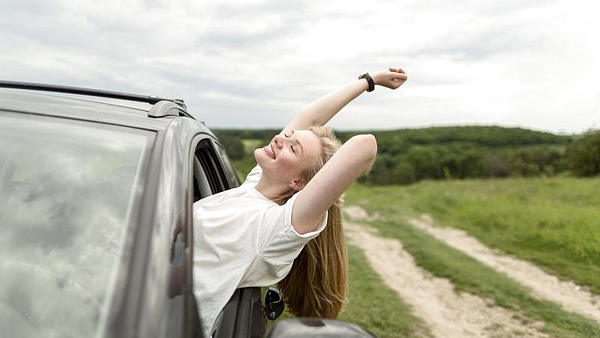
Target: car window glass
{"type": "Point", "coordinates": [211, 168]}
{"type": "Point", "coordinates": [67, 190]}
{"type": "Point", "coordinates": [230, 172]}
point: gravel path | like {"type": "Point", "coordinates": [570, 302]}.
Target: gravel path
{"type": "Point", "coordinates": [543, 286]}
{"type": "Point", "coordinates": [448, 314]}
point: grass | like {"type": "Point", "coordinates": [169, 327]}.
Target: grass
{"type": "Point", "coordinates": [505, 214]}
{"type": "Point", "coordinates": [468, 275]}
{"type": "Point", "coordinates": [554, 223]}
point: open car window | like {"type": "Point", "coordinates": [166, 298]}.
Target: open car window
{"type": "Point", "coordinates": [213, 172]}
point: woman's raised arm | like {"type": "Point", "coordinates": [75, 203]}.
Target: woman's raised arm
{"type": "Point", "coordinates": [322, 110]}
{"type": "Point", "coordinates": [353, 159]}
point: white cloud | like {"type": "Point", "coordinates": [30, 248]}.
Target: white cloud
{"type": "Point", "coordinates": [525, 63]}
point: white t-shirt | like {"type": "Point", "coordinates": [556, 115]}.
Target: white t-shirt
{"type": "Point", "coordinates": [241, 239]}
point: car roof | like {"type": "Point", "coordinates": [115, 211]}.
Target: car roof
{"type": "Point", "coordinates": [147, 112]}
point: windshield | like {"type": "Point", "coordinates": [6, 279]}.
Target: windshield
{"type": "Point", "coordinates": [67, 191]}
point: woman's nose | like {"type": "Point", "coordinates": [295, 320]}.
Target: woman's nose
{"type": "Point", "coordinates": [280, 140]}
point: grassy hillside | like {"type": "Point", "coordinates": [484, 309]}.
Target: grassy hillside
{"type": "Point", "coordinates": [407, 156]}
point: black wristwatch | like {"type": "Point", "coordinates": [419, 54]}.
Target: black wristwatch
{"type": "Point", "coordinates": [369, 80]}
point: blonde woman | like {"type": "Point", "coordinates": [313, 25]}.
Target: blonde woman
{"type": "Point", "coordinates": [285, 219]}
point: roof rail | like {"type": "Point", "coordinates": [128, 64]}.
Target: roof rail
{"type": "Point", "coordinates": [87, 91]}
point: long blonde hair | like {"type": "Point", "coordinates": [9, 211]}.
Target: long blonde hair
{"type": "Point", "coordinates": [317, 284]}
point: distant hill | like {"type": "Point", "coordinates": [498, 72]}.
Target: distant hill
{"type": "Point", "coordinates": [491, 136]}
{"type": "Point", "coordinates": [409, 155]}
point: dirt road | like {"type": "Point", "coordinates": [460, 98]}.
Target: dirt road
{"type": "Point", "coordinates": [433, 299]}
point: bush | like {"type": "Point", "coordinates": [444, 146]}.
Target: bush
{"type": "Point", "coordinates": [584, 154]}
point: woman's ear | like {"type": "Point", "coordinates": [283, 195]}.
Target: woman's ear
{"type": "Point", "coordinates": [297, 184]}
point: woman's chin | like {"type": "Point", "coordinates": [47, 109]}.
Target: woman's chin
{"type": "Point", "coordinates": [260, 156]}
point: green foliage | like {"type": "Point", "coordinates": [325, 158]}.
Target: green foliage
{"type": "Point", "coordinates": [424, 161]}
{"type": "Point", "coordinates": [584, 154]}
{"type": "Point", "coordinates": [407, 156]}
{"type": "Point", "coordinates": [232, 144]}
{"type": "Point", "coordinates": [465, 152]}
{"type": "Point", "coordinates": [486, 136]}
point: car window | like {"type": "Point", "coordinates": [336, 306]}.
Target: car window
{"type": "Point", "coordinates": [229, 171]}
{"type": "Point", "coordinates": [67, 194]}
{"type": "Point", "coordinates": [212, 173]}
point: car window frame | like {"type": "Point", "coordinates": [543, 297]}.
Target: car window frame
{"type": "Point", "coordinates": [243, 314]}
{"type": "Point", "coordinates": [205, 178]}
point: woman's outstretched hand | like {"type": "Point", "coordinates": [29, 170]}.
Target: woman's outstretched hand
{"type": "Point", "coordinates": [392, 79]}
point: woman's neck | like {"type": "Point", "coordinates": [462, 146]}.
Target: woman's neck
{"type": "Point", "coordinates": [274, 192]}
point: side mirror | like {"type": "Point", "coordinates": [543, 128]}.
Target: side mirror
{"type": "Point", "coordinates": [316, 328]}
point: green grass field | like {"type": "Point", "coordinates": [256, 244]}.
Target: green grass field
{"type": "Point", "coordinates": [552, 222]}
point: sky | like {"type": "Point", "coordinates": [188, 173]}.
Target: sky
{"type": "Point", "coordinates": [255, 63]}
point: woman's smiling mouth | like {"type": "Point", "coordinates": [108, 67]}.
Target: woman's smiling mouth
{"type": "Point", "coordinates": [269, 150]}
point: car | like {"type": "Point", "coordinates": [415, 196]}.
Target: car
{"type": "Point", "coordinates": [96, 228]}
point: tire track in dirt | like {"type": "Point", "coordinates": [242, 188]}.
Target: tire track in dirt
{"type": "Point", "coordinates": [542, 285]}
{"type": "Point", "coordinates": [448, 314]}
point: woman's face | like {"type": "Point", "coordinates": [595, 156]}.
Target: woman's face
{"type": "Point", "coordinates": [286, 156]}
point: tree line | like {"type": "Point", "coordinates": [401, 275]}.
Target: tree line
{"type": "Point", "coordinates": [407, 156]}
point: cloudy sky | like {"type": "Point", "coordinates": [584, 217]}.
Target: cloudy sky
{"type": "Point", "coordinates": [254, 63]}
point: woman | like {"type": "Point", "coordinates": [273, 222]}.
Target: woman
{"type": "Point", "coordinates": [251, 235]}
